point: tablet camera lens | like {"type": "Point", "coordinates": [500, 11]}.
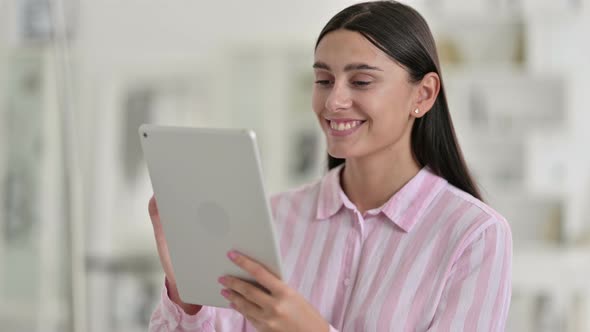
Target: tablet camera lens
{"type": "Point", "coordinates": [145, 135]}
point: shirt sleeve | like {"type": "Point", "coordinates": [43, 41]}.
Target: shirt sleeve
{"type": "Point", "coordinates": [169, 317]}
{"type": "Point", "coordinates": [477, 294]}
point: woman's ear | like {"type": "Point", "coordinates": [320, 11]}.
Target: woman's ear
{"type": "Point", "coordinates": [426, 93]}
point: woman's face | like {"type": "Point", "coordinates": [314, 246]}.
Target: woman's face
{"type": "Point", "coordinates": [362, 98]}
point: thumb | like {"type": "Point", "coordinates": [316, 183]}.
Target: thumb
{"type": "Point", "coordinates": [153, 207]}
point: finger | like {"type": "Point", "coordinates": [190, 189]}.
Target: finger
{"type": "Point", "coordinates": [242, 305]}
{"type": "Point", "coordinates": [156, 223]}
{"type": "Point", "coordinates": [161, 240]}
{"type": "Point", "coordinates": [264, 277]}
{"type": "Point", "coordinates": [247, 290]}
{"type": "Point", "coordinates": [155, 215]}
{"type": "Point", "coordinates": [153, 207]}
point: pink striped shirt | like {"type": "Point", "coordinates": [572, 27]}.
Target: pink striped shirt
{"type": "Point", "coordinates": [432, 258]}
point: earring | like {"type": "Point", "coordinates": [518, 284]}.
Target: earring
{"type": "Point", "coordinates": [416, 111]}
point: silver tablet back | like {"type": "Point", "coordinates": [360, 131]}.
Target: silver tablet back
{"type": "Point", "coordinates": [210, 194]}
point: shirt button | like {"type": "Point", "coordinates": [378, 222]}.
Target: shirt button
{"type": "Point", "coordinates": [347, 282]}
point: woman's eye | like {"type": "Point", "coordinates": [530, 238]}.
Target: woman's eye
{"type": "Point", "coordinates": [323, 82]}
{"type": "Point", "coordinates": [361, 83]}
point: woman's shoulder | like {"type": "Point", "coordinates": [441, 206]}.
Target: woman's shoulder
{"type": "Point", "coordinates": [469, 199]}
{"type": "Point", "coordinates": [478, 219]}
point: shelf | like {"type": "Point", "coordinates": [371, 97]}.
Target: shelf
{"type": "Point", "coordinates": [497, 10]}
{"type": "Point", "coordinates": [546, 269]}
{"type": "Point", "coordinates": [26, 312]}
{"type": "Point", "coordinates": [551, 9]}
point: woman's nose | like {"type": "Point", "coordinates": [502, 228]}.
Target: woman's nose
{"type": "Point", "coordinates": [339, 98]}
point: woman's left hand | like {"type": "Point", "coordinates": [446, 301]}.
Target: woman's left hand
{"type": "Point", "coordinates": [279, 309]}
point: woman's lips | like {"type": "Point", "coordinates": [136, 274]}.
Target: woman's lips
{"type": "Point", "coordinates": [343, 127]}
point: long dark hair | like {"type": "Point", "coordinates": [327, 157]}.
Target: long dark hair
{"type": "Point", "coordinates": [403, 34]}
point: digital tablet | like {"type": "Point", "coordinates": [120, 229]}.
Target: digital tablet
{"type": "Point", "coordinates": [211, 199]}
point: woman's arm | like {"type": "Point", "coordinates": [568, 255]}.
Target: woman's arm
{"type": "Point", "coordinates": [170, 316]}
{"type": "Point", "coordinates": [478, 290]}
{"type": "Point", "coordinates": [172, 291]}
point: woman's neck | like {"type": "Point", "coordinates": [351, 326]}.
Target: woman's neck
{"type": "Point", "coordinates": [370, 181]}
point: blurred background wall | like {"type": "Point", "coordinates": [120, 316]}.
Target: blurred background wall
{"type": "Point", "coordinates": [77, 77]}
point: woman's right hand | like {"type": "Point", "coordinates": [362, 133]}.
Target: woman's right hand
{"type": "Point", "coordinates": [190, 309]}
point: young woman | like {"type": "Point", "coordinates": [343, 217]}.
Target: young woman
{"type": "Point", "coordinates": [395, 236]}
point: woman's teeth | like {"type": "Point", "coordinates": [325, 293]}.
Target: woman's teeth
{"type": "Point", "coordinates": [341, 126]}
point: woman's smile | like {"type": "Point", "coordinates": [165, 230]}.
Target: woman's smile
{"type": "Point", "coordinates": [343, 127]}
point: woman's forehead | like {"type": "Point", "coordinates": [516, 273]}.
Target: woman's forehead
{"type": "Point", "coordinates": [341, 48]}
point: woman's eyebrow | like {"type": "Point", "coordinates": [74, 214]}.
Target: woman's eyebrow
{"type": "Point", "coordinates": [349, 67]}
{"type": "Point", "coordinates": [321, 65]}
{"type": "Point", "coordinates": [360, 66]}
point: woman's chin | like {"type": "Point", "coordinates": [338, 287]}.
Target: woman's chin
{"type": "Point", "coordinates": [338, 153]}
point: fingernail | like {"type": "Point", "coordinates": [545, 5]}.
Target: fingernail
{"type": "Point", "coordinates": [222, 280]}
{"type": "Point", "coordinates": [233, 306]}
{"type": "Point", "coordinates": [225, 293]}
{"type": "Point", "coordinates": [232, 255]}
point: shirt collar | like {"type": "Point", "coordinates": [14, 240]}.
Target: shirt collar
{"type": "Point", "coordinates": [404, 208]}
{"type": "Point", "coordinates": [330, 198]}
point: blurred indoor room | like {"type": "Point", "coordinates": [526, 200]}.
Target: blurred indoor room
{"type": "Point", "coordinates": [78, 77]}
